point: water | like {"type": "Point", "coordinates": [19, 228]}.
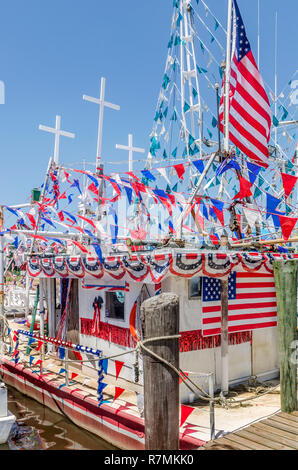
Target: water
{"type": "Point", "coordinates": [39, 428]}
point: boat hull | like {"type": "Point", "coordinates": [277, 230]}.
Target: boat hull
{"type": "Point", "coordinates": [122, 430]}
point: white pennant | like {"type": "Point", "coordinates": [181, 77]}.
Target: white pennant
{"type": "Point", "coordinates": [163, 173]}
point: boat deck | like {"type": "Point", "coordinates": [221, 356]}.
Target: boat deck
{"type": "Point", "coordinates": [278, 432]}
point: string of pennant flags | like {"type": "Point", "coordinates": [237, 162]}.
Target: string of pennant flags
{"type": "Point", "coordinates": [102, 370]}
{"type": "Point", "coordinates": [166, 198]}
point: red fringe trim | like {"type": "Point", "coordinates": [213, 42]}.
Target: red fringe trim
{"type": "Point", "coordinates": [107, 332]}
{"type": "Point", "coordinates": [194, 340]}
{"type": "Point", "coordinates": [189, 341]}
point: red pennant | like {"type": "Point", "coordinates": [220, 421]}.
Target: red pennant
{"type": "Point", "coordinates": [219, 215]}
{"type": "Point", "coordinates": [245, 191]}
{"type": "Point", "coordinates": [15, 353]}
{"type": "Point", "coordinates": [214, 239]}
{"type": "Point", "coordinates": [184, 375]}
{"type": "Point", "coordinates": [32, 221]}
{"type": "Point", "coordinates": [63, 196]}
{"type": "Point", "coordinates": [132, 175]}
{"type": "Point", "coordinates": [289, 182]}
{"type": "Point", "coordinates": [118, 392]}
{"type": "Point", "coordinates": [172, 199]}
{"type": "Point", "coordinates": [73, 375]}
{"type": "Point", "coordinates": [61, 216]}
{"type": "Point", "coordinates": [118, 365]}
{"type": "Point", "coordinates": [287, 225]}
{"type": "Point", "coordinates": [185, 412]}
{"type": "Point", "coordinates": [38, 362]}
{"type": "Point", "coordinates": [38, 237]}
{"type": "Point", "coordinates": [40, 343]}
{"type": "Point", "coordinates": [78, 355]}
{"type": "Point", "coordinates": [88, 220]}
{"type": "Point", "coordinates": [93, 188]}
{"type": "Point", "coordinates": [79, 245]}
{"type": "Point", "coordinates": [180, 170]}
{"type": "Point", "coordinates": [67, 177]}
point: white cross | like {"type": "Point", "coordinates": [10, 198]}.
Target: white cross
{"type": "Point", "coordinates": [102, 103]}
{"type": "Point", "coordinates": [58, 132]}
{"type": "Point", "coordinates": [130, 149]}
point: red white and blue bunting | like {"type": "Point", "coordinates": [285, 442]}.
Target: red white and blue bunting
{"type": "Point", "coordinates": [153, 268]}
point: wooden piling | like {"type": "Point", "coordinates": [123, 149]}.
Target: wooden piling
{"type": "Point", "coordinates": [160, 317]}
{"type": "Point", "coordinates": [285, 274]}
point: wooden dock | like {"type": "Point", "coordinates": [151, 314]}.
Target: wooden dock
{"type": "Point", "coordinates": [278, 432]}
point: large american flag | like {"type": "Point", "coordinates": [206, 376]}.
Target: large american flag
{"type": "Point", "coordinates": [250, 116]}
{"type": "Point", "coordinates": [252, 303]}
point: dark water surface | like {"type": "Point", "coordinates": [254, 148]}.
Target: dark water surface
{"type": "Point", "coordinates": [39, 428]}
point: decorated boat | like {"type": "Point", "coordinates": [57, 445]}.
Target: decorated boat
{"type": "Point", "coordinates": [197, 214]}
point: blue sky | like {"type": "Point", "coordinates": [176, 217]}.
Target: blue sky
{"type": "Point", "coordinates": [51, 53]}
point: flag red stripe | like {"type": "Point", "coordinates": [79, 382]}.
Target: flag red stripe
{"type": "Point", "coordinates": [206, 321]}
{"type": "Point", "coordinates": [252, 327]}
{"type": "Point", "coordinates": [257, 143]}
{"type": "Point", "coordinates": [248, 152]}
{"type": "Point", "coordinates": [248, 285]}
{"type": "Point", "coordinates": [255, 295]}
{"type": "Point", "coordinates": [252, 80]}
{"type": "Point", "coordinates": [253, 103]}
{"type": "Point", "coordinates": [217, 308]}
{"type": "Point", "coordinates": [248, 117]}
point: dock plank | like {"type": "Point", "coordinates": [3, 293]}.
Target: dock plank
{"type": "Point", "coordinates": [281, 426]}
{"type": "Point", "coordinates": [262, 439]}
{"type": "Point", "coordinates": [222, 441]}
{"type": "Point", "coordinates": [247, 443]}
{"type": "Point", "coordinates": [283, 420]}
{"type": "Point", "coordinates": [288, 416]}
{"type": "Point", "coordinates": [278, 432]}
{"type": "Point", "coordinates": [275, 434]}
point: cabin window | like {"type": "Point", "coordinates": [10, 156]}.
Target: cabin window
{"type": "Point", "coordinates": [115, 305]}
{"type": "Point", "coordinates": [195, 288]}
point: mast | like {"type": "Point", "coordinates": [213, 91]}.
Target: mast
{"type": "Point", "coordinates": [275, 80]}
{"type": "Point", "coordinates": [227, 79]}
{"type": "Point", "coordinates": [189, 78]}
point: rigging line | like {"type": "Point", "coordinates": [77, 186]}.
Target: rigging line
{"type": "Point", "coordinates": [206, 7]}
{"type": "Point", "coordinates": [203, 43]}
{"type": "Point", "coordinates": [204, 103]}
{"type": "Point", "coordinates": [218, 43]}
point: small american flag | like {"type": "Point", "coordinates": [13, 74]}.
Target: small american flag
{"type": "Point", "coordinates": [252, 303]}
{"type": "Point", "coordinates": [250, 116]}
